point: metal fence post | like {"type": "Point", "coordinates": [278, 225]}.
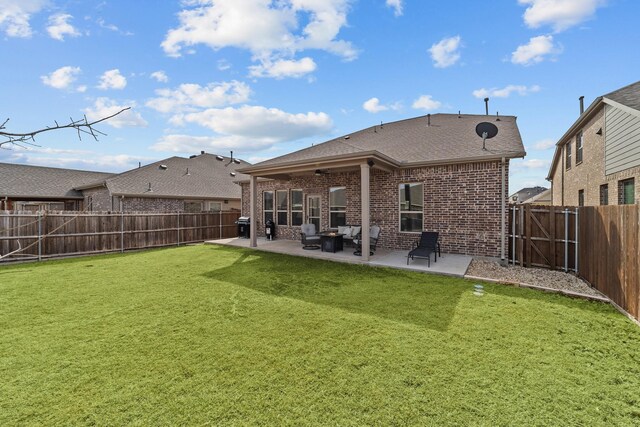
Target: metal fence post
{"type": "Point", "coordinates": [513, 236]}
{"type": "Point", "coordinates": [575, 249]}
{"type": "Point", "coordinates": [566, 240]}
{"type": "Point", "coordinates": [39, 235]}
{"type": "Point", "coordinates": [122, 231]}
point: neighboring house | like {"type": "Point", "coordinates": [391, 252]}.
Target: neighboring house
{"type": "Point", "coordinates": [597, 161]}
{"type": "Point", "coordinates": [34, 188]}
{"type": "Point", "coordinates": [199, 183]}
{"type": "Point", "coordinates": [542, 198]}
{"type": "Point", "coordinates": [425, 173]}
{"type": "Point", "coordinates": [525, 194]}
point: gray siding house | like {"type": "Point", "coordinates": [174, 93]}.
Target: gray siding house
{"type": "Point", "coordinates": [597, 161]}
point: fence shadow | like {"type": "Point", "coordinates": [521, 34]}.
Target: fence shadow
{"type": "Point", "coordinates": [400, 296]}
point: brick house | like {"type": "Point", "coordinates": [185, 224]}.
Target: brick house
{"type": "Point", "coordinates": [25, 187]}
{"type": "Point", "coordinates": [597, 161]}
{"type": "Point", "coordinates": [425, 173]}
{"type": "Point", "coordinates": [203, 182]}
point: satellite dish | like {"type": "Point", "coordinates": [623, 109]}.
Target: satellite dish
{"type": "Point", "coordinates": [486, 130]}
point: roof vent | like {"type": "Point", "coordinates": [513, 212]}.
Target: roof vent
{"type": "Point", "coordinates": [486, 106]}
{"type": "Point", "coordinates": [347, 137]}
{"type": "Point", "coordinates": [202, 152]}
{"type": "Point", "coordinates": [232, 173]}
{"type": "Point", "coordinates": [581, 104]}
{"type": "Point", "coordinates": [236, 161]}
{"type": "Point", "coordinates": [429, 119]}
{"type": "Point", "coordinates": [192, 156]}
{"type": "Point", "coordinates": [497, 116]}
{"type": "Point", "coordinates": [149, 190]}
{"type": "Point", "coordinates": [162, 167]}
{"type": "Point", "coordinates": [219, 158]}
{"type": "Point", "coordinates": [187, 173]}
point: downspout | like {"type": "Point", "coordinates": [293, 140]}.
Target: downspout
{"type": "Point", "coordinates": [502, 215]}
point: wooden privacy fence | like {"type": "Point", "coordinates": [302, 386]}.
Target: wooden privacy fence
{"type": "Point", "coordinates": [37, 235]}
{"type": "Point", "coordinates": [610, 253]}
{"type": "Point", "coordinates": [544, 236]}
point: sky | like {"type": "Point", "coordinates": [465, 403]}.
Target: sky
{"type": "Point", "coordinates": [264, 78]}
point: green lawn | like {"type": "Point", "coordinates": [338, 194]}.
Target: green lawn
{"type": "Point", "coordinates": [215, 335]}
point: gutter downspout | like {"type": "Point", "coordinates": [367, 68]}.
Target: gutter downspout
{"type": "Point", "coordinates": [502, 215]}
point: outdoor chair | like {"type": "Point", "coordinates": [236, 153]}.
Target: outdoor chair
{"type": "Point", "coordinates": [310, 240]}
{"type": "Point", "coordinates": [427, 245]}
{"type": "Point", "coordinates": [374, 235]}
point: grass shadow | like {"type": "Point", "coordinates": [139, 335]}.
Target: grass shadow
{"type": "Point", "coordinates": [402, 296]}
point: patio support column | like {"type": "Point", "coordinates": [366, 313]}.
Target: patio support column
{"type": "Point", "coordinates": [253, 211]}
{"type": "Point", "coordinates": [365, 206]}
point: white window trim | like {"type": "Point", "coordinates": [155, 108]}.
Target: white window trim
{"type": "Point", "coordinates": [345, 207]}
{"type": "Point", "coordinates": [400, 212]}
{"type": "Point", "coordinates": [579, 147]}
{"type": "Point", "coordinates": [277, 211]}
{"type": "Point", "coordinates": [291, 205]}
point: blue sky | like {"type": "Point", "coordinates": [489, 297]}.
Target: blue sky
{"type": "Point", "coordinates": [263, 78]}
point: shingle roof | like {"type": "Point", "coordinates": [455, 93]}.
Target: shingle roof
{"type": "Point", "coordinates": [202, 176]}
{"type": "Point", "coordinates": [628, 95]}
{"type": "Point", "coordinates": [44, 182]}
{"type": "Point", "coordinates": [449, 138]}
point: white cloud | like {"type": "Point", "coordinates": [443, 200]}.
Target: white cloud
{"type": "Point", "coordinates": [506, 91]}
{"type": "Point", "coordinates": [15, 15]}
{"type": "Point", "coordinates": [190, 97]}
{"type": "Point", "coordinates": [59, 27]}
{"type": "Point", "coordinates": [263, 123]}
{"type": "Point", "coordinates": [111, 27]}
{"type": "Point", "coordinates": [372, 105]}
{"type": "Point", "coordinates": [534, 164]}
{"type": "Point", "coordinates": [535, 51]}
{"type": "Point", "coordinates": [559, 14]}
{"type": "Point", "coordinates": [223, 65]}
{"type": "Point", "coordinates": [445, 53]}
{"type": "Point", "coordinates": [544, 144]}
{"type": "Point", "coordinates": [76, 159]}
{"type": "Point", "coordinates": [396, 5]}
{"type": "Point", "coordinates": [112, 79]}
{"type": "Point", "coordinates": [270, 30]}
{"type": "Point", "coordinates": [104, 107]}
{"type": "Point", "coordinates": [61, 78]}
{"type": "Point", "coordinates": [160, 76]}
{"type": "Point", "coordinates": [426, 102]}
{"type": "Point", "coordinates": [282, 68]}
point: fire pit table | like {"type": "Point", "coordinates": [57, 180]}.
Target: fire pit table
{"type": "Point", "coordinates": [331, 242]}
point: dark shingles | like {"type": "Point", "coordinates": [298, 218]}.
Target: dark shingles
{"type": "Point", "coordinates": [36, 181]}
{"type": "Point", "coordinates": [628, 95]}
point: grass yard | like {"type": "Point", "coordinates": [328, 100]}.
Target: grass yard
{"type": "Point", "coordinates": [217, 335]}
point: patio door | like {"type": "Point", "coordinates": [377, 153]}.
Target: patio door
{"type": "Point", "coordinates": [313, 211]}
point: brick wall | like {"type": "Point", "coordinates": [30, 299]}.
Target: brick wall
{"type": "Point", "coordinates": [462, 202]}
{"type": "Point", "coordinates": [147, 204]}
{"type": "Point", "coordinates": [97, 199]}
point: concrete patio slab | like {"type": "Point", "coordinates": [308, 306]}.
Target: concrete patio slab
{"type": "Point", "coordinates": [449, 264]}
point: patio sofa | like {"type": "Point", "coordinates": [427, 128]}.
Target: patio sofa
{"type": "Point", "coordinates": [350, 232]}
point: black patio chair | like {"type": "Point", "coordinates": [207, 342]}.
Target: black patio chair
{"type": "Point", "coordinates": [427, 245]}
{"type": "Point", "coordinates": [374, 235]}
{"type": "Point", "coordinates": [310, 240]}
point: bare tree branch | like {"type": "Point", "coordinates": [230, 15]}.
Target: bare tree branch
{"type": "Point", "coordinates": [81, 126]}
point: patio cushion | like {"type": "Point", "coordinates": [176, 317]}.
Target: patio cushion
{"type": "Point", "coordinates": [346, 230]}
{"type": "Point", "coordinates": [355, 230]}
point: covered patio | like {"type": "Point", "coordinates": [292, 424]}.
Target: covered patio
{"type": "Point", "coordinates": [449, 264]}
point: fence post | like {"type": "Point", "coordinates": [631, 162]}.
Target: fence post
{"type": "Point", "coordinates": [178, 228]}
{"type": "Point", "coordinates": [121, 231]}
{"type": "Point", "coordinates": [220, 221]}
{"type": "Point", "coordinates": [575, 248]}
{"type": "Point", "coordinates": [39, 235]}
{"type": "Point", "coordinates": [513, 236]}
{"type": "Point", "coordinates": [566, 240]}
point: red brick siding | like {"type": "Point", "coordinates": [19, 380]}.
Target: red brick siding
{"type": "Point", "coordinates": [462, 202]}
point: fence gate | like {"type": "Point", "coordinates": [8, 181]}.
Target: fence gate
{"type": "Point", "coordinates": [543, 236]}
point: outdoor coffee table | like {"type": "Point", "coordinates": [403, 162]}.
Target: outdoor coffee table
{"type": "Point", "coordinates": [331, 242]}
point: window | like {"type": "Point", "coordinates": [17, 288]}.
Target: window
{"type": "Point", "coordinates": [214, 206]}
{"type": "Point", "coordinates": [580, 197]}
{"type": "Point", "coordinates": [296, 207]}
{"type": "Point", "coordinates": [604, 194]}
{"type": "Point", "coordinates": [626, 191]}
{"type": "Point", "coordinates": [282, 207]}
{"type": "Point", "coordinates": [579, 147]}
{"type": "Point", "coordinates": [567, 153]}
{"type": "Point", "coordinates": [411, 207]}
{"type": "Point", "coordinates": [267, 205]}
{"type": "Point", "coordinates": [192, 206]}
{"type": "Point", "coordinates": [337, 207]}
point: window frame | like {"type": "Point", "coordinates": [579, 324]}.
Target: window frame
{"type": "Point", "coordinates": [279, 211]}
{"type": "Point", "coordinates": [623, 192]}
{"type": "Point", "coordinates": [604, 195]}
{"type": "Point", "coordinates": [301, 210]}
{"type": "Point", "coordinates": [332, 211]}
{"type": "Point", "coordinates": [400, 211]}
{"type": "Point", "coordinates": [211, 203]}
{"type": "Point", "coordinates": [264, 210]}
{"type": "Point", "coordinates": [567, 156]}
{"type": "Point", "coordinates": [581, 197]}
{"type": "Point", "coordinates": [579, 147]}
